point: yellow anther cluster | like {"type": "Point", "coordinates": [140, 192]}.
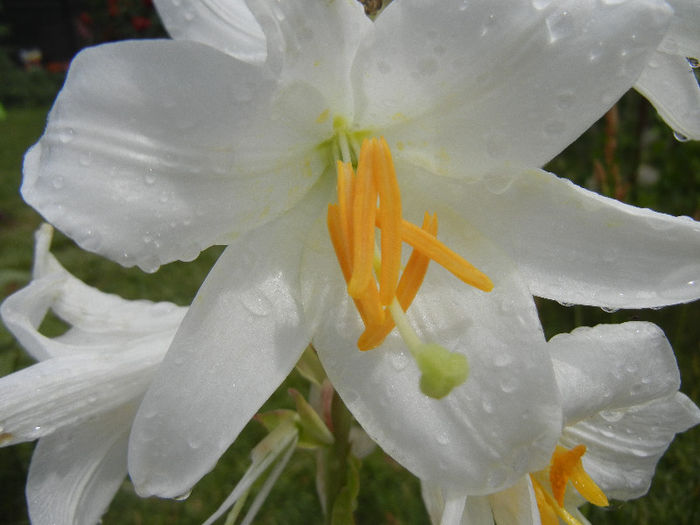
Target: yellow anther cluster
{"type": "Point", "coordinates": [370, 199]}
{"type": "Point", "coordinates": [564, 467]}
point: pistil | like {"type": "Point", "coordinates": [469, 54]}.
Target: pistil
{"type": "Point", "coordinates": [369, 199]}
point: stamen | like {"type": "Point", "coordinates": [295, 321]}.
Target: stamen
{"type": "Point", "coordinates": [390, 216]}
{"type": "Point", "coordinates": [441, 254]}
{"type": "Point", "coordinates": [547, 506]}
{"type": "Point", "coordinates": [566, 466]}
{"type": "Point", "coordinates": [364, 210]}
{"type": "Point", "coordinates": [406, 291]}
{"type": "Point", "coordinates": [351, 224]}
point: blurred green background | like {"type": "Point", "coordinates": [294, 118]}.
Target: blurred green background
{"type": "Point", "coordinates": [630, 155]}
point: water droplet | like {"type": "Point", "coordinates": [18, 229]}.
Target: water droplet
{"type": "Point", "coordinates": [487, 406]}
{"type": "Point", "coordinates": [496, 477]}
{"type": "Point", "coordinates": [183, 497]}
{"type": "Point", "coordinates": [694, 62]}
{"type": "Point", "coordinates": [553, 128]}
{"type": "Point", "coordinates": [566, 99]}
{"type": "Point", "coordinates": [255, 301]}
{"type": "Point", "coordinates": [609, 309]}
{"type": "Point", "coordinates": [501, 360]}
{"type": "Point", "coordinates": [509, 384]}
{"type": "Point", "coordinates": [350, 396]}
{"type": "Point", "coordinates": [559, 24]}
{"type": "Point", "coordinates": [612, 416]}
{"type": "Point", "coordinates": [188, 15]}
{"type": "Point", "coordinates": [86, 159]}
{"type": "Point", "coordinates": [442, 438]}
{"type": "Point", "coordinates": [540, 4]}
{"type": "Point", "coordinates": [66, 135]}
{"type": "Point", "coordinates": [163, 198]}
{"type": "Point", "coordinates": [149, 177]}
{"type": "Point", "coordinates": [57, 182]}
{"type": "Point", "coordinates": [399, 360]}
{"type": "Point", "coordinates": [499, 182]}
{"type": "Point", "coordinates": [680, 137]}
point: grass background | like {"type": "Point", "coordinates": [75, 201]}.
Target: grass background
{"type": "Point", "coordinates": [607, 158]}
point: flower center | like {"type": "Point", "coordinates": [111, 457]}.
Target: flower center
{"type": "Point", "coordinates": [565, 466]}
{"type": "Point", "coordinates": [369, 199]}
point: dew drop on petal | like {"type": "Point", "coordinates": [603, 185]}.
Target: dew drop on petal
{"type": "Point", "coordinates": [680, 137]}
{"type": "Point", "coordinates": [183, 497]}
{"type": "Point", "coordinates": [559, 25]}
{"type": "Point", "coordinates": [442, 438]}
{"type": "Point", "coordinates": [540, 4]}
{"type": "Point", "coordinates": [399, 360]}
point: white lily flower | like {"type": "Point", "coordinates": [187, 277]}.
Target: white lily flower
{"type": "Point", "coordinates": [155, 150]}
{"type": "Point", "coordinates": [622, 409]}
{"type": "Point", "coordinates": [81, 398]}
{"type": "Point", "coordinates": [669, 81]}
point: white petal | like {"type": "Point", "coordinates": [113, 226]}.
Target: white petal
{"type": "Point", "coordinates": [38, 400]}
{"type": "Point", "coordinates": [488, 431]}
{"type": "Point", "coordinates": [682, 37]}
{"type": "Point", "coordinates": [75, 473]}
{"type": "Point", "coordinates": [574, 245]}
{"type": "Point", "coordinates": [242, 336]}
{"type": "Point", "coordinates": [516, 505]}
{"type": "Point", "coordinates": [478, 511]}
{"type": "Point", "coordinates": [611, 367]}
{"type": "Point", "coordinates": [99, 321]}
{"type": "Point", "coordinates": [671, 86]}
{"type": "Point", "coordinates": [314, 45]}
{"type": "Point", "coordinates": [155, 150]}
{"type": "Point", "coordinates": [624, 447]}
{"type": "Point", "coordinates": [499, 80]}
{"type": "Point", "coordinates": [228, 26]}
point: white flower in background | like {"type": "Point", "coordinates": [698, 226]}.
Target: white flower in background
{"type": "Point", "coordinates": [81, 398]}
{"type": "Point", "coordinates": [668, 80]}
{"type": "Point", "coordinates": [155, 150]}
{"type": "Point", "coordinates": [622, 408]}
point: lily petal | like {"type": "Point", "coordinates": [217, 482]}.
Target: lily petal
{"type": "Point", "coordinates": [65, 390]}
{"type": "Point", "coordinates": [671, 86]}
{"type": "Point", "coordinates": [228, 26]}
{"type": "Point", "coordinates": [487, 432]}
{"type": "Point", "coordinates": [76, 472]}
{"type": "Point", "coordinates": [682, 37]}
{"type": "Point", "coordinates": [573, 245]}
{"type": "Point", "coordinates": [623, 447]}
{"type": "Point", "coordinates": [619, 386]}
{"type": "Point", "coordinates": [527, 77]}
{"type": "Point", "coordinates": [146, 168]}
{"type": "Point", "coordinates": [99, 322]}
{"type": "Point", "coordinates": [516, 505]}
{"type": "Point", "coordinates": [611, 367]}
{"type": "Point", "coordinates": [314, 45]}
{"type": "Point", "coordinates": [241, 337]}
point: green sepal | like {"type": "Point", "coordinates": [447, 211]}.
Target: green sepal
{"type": "Point", "coordinates": [346, 502]}
{"type": "Point", "coordinates": [313, 432]}
{"type": "Point", "coordinates": [274, 418]}
{"type": "Point", "coordinates": [310, 367]}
